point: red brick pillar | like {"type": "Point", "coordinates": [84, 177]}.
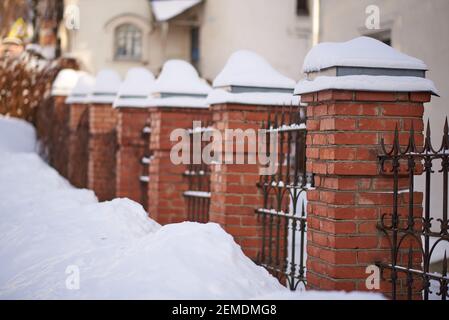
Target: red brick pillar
{"type": "Point", "coordinates": [78, 144]}
{"type": "Point", "coordinates": [234, 194]}
{"type": "Point", "coordinates": [102, 150]}
{"type": "Point", "coordinates": [167, 183]}
{"type": "Point", "coordinates": [58, 147]}
{"type": "Point", "coordinates": [130, 151]}
{"type": "Point", "coordinates": [343, 142]}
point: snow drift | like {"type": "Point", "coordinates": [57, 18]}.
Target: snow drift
{"type": "Point", "coordinates": [50, 231]}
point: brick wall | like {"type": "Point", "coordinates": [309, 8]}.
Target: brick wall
{"type": "Point", "coordinates": [344, 133]}
{"type": "Point", "coordinates": [78, 144]}
{"type": "Point", "coordinates": [167, 184]}
{"type": "Point", "coordinates": [102, 150]}
{"type": "Point", "coordinates": [131, 149]}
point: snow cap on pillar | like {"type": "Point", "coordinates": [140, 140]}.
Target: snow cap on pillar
{"type": "Point", "coordinates": [64, 83]}
{"type": "Point", "coordinates": [82, 89]}
{"type": "Point", "coordinates": [247, 78]}
{"type": "Point", "coordinates": [107, 85]}
{"type": "Point", "coordinates": [135, 89]}
{"type": "Point", "coordinates": [179, 85]}
{"type": "Point", "coordinates": [364, 64]}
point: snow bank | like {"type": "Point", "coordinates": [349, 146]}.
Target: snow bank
{"type": "Point", "coordinates": [321, 295]}
{"type": "Point", "coordinates": [50, 231]}
{"type": "Point", "coordinates": [366, 83]}
{"type": "Point", "coordinates": [248, 69]}
{"type": "Point", "coordinates": [47, 226]}
{"type": "Point", "coordinates": [164, 10]}
{"type": "Point", "coordinates": [136, 88]}
{"type": "Point", "coordinates": [82, 89]}
{"type": "Point", "coordinates": [64, 83]}
{"type": "Point", "coordinates": [358, 52]}
{"type": "Point", "coordinates": [16, 135]}
{"type": "Point", "coordinates": [107, 85]}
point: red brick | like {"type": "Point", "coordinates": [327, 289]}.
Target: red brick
{"type": "Point", "coordinates": [353, 168]}
{"type": "Point", "coordinates": [337, 124]}
{"type": "Point", "coordinates": [352, 138]}
{"type": "Point", "coordinates": [375, 198]}
{"type": "Point", "coordinates": [378, 124]}
{"type": "Point", "coordinates": [402, 109]}
{"type": "Point", "coordinates": [420, 96]}
{"type": "Point", "coordinates": [375, 96]}
{"type": "Point", "coordinates": [352, 109]}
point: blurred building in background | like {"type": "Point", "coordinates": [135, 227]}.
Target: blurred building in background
{"type": "Point", "coordinates": [123, 34]}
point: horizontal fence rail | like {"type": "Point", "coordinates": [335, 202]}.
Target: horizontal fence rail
{"type": "Point", "coordinates": [283, 215]}
{"type": "Point", "coordinates": [414, 235]}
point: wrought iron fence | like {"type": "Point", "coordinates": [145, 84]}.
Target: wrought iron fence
{"type": "Point", "coordinates": [415, 235]}
{"type": "Point", "coordinates": [198, 175]}
{"type": "Point", "coordinates": [145, 161]}
{"type": "Point", "coordinates": [283, 215]}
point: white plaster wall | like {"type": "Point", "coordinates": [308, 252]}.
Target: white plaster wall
{"type": "Point", "coordinates": [268, 27]}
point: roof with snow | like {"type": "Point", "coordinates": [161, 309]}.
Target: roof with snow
{"type": "Point", "coordinates": [135, 89]}
{"type": "Point", "coordinates": [164, 10]}
{"type": "Point", "coordinates": [82, 89]}
{"type": "Point", "coordinates": [358, 52]}
{"type": "Point", "coordinates": [64, 82]}
{"type": "Point", "coordinates": [107, 85]}
{"type": "Point", "coordinates": [247, 69]}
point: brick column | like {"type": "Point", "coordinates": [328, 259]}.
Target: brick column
{"type": "Point", "coordinates": [58, 146]}
{"type": "Point", "coordinates": [102, 150]}
{"type": "Point", "coordinates": [167, 184]}
{"type": "Point", "coordinates": [234, 194]}
{"type": "Point", "coordinates": [130, 151]}
{"type": "Point", "coordinates": [78, 144]}
{"type": "Point", "coordinates": [344, 133]}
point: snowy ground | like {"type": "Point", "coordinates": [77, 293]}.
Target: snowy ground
{"type": "Point", "coordinates": [51, 232]}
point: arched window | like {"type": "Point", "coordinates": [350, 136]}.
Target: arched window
{"type": "Point", "coordinates": [128, 42]}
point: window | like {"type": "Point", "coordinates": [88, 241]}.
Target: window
{"type": "Point", "coordinates": [302, 7]}
{"type": "Point", "coordinates": [128, 42]}
{"type": "Point", "coordinates": [195, 46]}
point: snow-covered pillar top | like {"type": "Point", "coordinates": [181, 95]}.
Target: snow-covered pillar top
{"type": "Point", "coordinates": [107, 85]}
{"type": "Point", "coordinates": [135, 89]}
{"type": "Point", "coordinates": [362, 64]}
{"type": "Point", "coordinates": [179, 85]}
{"type": "Point", "coordinates": [64, 83]}
{"type": "Point", "coordinates": [249, 79]}
{"type": "Point", "coordinates": [357, 93]}
{"type": "Point", "coordinates": [82, 89]}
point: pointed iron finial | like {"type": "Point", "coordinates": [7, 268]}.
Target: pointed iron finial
{"type": "Point", "coordinates": [396, 145]}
